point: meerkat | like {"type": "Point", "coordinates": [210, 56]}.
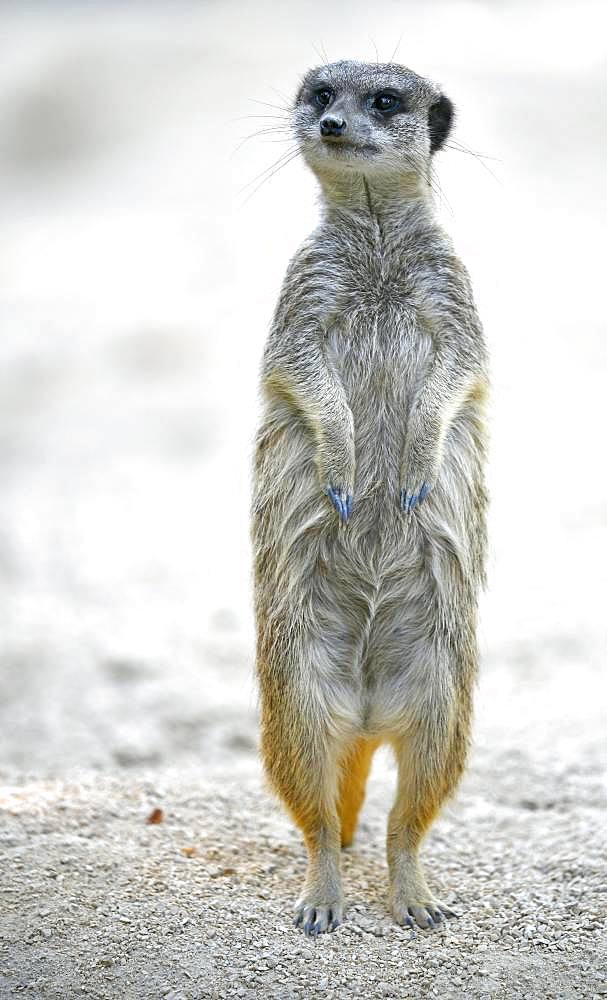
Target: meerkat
{"type": "Point", "coordinates": [369, 500]}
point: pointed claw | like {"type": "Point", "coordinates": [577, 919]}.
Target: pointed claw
{"type": "Point", "coordinates": [408, 501]}
{"type": "Point", "coordinates": [343, 507]}
{"type": "Point", "coordinates": [335, 500]}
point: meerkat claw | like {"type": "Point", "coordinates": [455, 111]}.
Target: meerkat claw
{"type": "Point", "coordinates": [409, 500]}
{"type": "Point", "coordinates": [317, 919]}
{"type": "Point", "coordinates": [426, 916]}
{"type": "Point", "coordinates": [342, 506]}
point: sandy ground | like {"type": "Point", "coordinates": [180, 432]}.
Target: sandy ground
{"type": "Point", "coordinates": [136, 285]}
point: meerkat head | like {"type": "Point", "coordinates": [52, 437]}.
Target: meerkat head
{"type": "Point", "coordinates": [370, 118]}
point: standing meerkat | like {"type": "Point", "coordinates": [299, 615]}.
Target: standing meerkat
{"type": "Point", "coordinates": [368, 514]}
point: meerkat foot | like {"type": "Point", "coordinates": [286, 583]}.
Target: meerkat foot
{"type": "Point", "coordinates": [318, 910]}
{"type": "Point", "coordinates": [316, 919]}
{"type": "Point", "coordinates": [410, 898]}
{"type": "Point", "coordinates": [415, 904]}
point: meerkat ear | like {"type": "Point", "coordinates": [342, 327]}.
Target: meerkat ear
{"type": "Point", "coordinates": [440, 120]}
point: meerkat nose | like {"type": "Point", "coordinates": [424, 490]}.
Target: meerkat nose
{"type": "Point", "coordinates": [329, 125]}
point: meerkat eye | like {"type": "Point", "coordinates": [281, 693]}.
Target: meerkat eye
{"type": "Point", "coordinates": [323, 97]}
{"type": "Point", "coordinates": [385, 103]}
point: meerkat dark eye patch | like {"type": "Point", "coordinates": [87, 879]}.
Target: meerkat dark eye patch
{"type": "Point", "coordinates": [385, 102]}
{"type": "Point", "coordinates": [323, 97]}
{"type": "Point", "coordinates": [440, 121]}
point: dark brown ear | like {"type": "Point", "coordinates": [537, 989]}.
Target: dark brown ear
{"type": "Point", "coordinates": [440, 120]}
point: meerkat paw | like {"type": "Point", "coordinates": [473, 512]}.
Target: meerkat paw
{"type": "Point", "coordinates": [317, 914]}
{"type": "Point", "coordinates": [418, 908]}
{"type": "Point", "coordinates": [336, 478]}
{"type": "Point", "coordinates": [341, 500]}
{"type": "Point", "coordinates": [419, 470]}
{"type": "Point", "coordinates": [410, 495]}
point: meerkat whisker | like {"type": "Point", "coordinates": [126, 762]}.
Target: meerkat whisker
{"type": "Point", "coordinates": [454, 144]}
{"type": "Point", "coordinates": [321, 52]}
{"type": "Point", "coordinates": [267, 104]}
{"type": "Point", "coordinates": [281, 161]}
{"type": "Point", "coordinates": [283, 97]}
{"type": "Point", "coordinates": [394, 54]}
{"type": "Point", "coordinates": [278, 168]}
{"type": "Point", "coordinates": [480, 157]}
{"type": "Point", "coordinates": [260, 132]}
{"type": "Point", "coordinates": [275, 118]}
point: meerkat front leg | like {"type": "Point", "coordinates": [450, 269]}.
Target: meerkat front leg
{"type": "Point", "coordinates": [457, 372]}
{"type": "Point", "coordinates": [429, 421]}
{"type": "Point", "coordinates": [443, 393]}
{"type": "Point", "coordinates": [297, 369]}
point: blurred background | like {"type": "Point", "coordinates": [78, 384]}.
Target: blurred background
{"type": "Point", "coordinates": [137, 281]}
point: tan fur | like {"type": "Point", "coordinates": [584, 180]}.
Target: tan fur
{"type": "Point", "coordinates": [354, 771]}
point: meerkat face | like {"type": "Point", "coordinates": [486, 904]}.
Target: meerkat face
{"type": "Point", "coordinates": [370, 118]}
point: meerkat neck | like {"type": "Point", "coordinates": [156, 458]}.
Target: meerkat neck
{"type": "Point", "coordinates": [386, 202]}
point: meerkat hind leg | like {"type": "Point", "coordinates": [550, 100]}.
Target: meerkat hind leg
{"type": "Point", "coordinates": [320, 904]}
{"type": "Point", "coordinates": [428, 769]}
{"type": "Point", "coordinates": [301, 767]}
{"type": "Point", "coordinates": [354, 771]}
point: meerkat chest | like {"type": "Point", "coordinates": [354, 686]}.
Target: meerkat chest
{"type": "Point", "coordinates": [375, 334]}
{"type": "Point", "coordinates": [379, 345]}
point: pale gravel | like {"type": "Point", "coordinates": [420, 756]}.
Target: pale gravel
{"type": "Point", "coordinates": [99, 903]}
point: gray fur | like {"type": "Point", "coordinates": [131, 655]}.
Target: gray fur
{"type": "Point", "coordinates": [374, 379]}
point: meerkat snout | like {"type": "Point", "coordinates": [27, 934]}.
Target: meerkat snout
{"type": "Point", "coordinates": [332, 125]}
